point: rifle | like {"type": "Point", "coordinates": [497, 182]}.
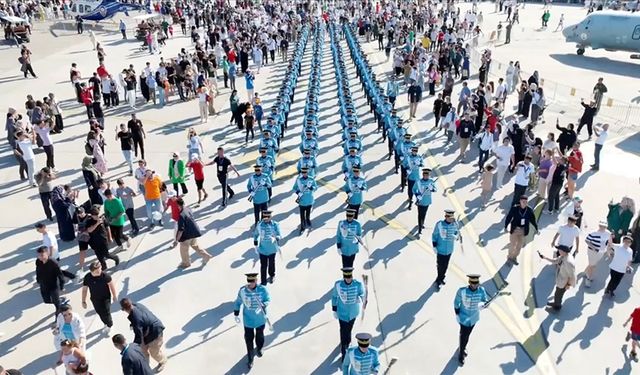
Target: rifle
{"type": "Point", "coordinates": [391, 363]}
{"type": "Point", "coordinates": [365, 280]}
{"type": "Point", "coordinates": [459, 234]}
{"type": "Point", "coordinates": [500, 292]}
{"type": "Point", "coordinates": [264, 311]}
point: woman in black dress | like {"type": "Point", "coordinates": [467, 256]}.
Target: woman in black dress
{"type": "Point", "coordinates": [91, 177]}
{"type": "Point", "coordinates": [144, 88]}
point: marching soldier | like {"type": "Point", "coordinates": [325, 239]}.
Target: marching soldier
{"type": "Point", "coordinates": [274, 132]}
{"type": "Point", "coordinates": [266, 238]}
{"type": "Point", "coordinates": [396, 134]}
{"type": "Point", "coordinates": [348, 238]}
{"type": "Point", "coordinates": [402, 149]}
{"type": "Point", "coordinates": [352, 142]}
{"type": "Point", "coordinates": [354, 187]}
{"type": "Point", "coordinates": [351, 128]}
{"type": "Point", "coordinates": [423, 189]}
{"type": "Point", "coordinates": [304, 188]}
{"type": "Point", "coordinates": [309, 162]}
{"type": "Point", "coordinates": [362, 359]}
{"type": "Point", "coordinates": [269, 143]}
{"type": "Point", "coordinates": [254, 300]}
{"type": "Point", "coordinates": [309, 143]}
{"type": "Point", "coordinates": [347, 296]}
{"type": "Point", "coordinates": [267, 163]}
{"type": "Point", "coordinates": [443, 239]}
{"type": "Point", "coordinates": [467, 305]}
{"type": "Point", "coordinates": [258, 187]}
{"type": "Point", "coordinates": [412, 164]}
{"type": "Point", "coordinates": [350, 161]}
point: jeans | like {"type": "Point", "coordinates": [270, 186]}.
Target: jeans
{"type": "Point", "coordinates": [152, 205]}
{"type": "Point", "coordinates": [103, 309]}
{"type": "Point", "coordinates": [554, 197]}
{"type": "Point", "coordinates": [596, 156]}
{"type": "Point", "coordinates": [132, 219]}
{"type": "Point", "coordinates": [483, 156]}
{"type": "Point", "coordinates": [48, 150]}
{"type": "Point", "coordinates": [46, 203]}
{"type": "Point", "coordinates": [31, 168]}
{"type": "Point", "coordinates": [128, 157]}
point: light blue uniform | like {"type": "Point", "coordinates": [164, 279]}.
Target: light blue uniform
{"type": "Point", "coordinates": [397, 134]}
{"type": "Point", "coordinates": [271, 145]}
{"type": "Point", "coordinates": [422, 190]}
{"type": "Point", "coordinates": [268, 165]}
{"type": "Point", "coordinates": [356, 143]}
{"type": "Point", "coordinates": [304, 188]}
{"type": "Point", "coordinates": [469, 302]}
{"type": "Point", "coordinates": [348, 163]}
{"type": "Point", "coordinates": [358, 363]}
{"type": "Point", "coordinates": [266, 237]}
{"type": "Point", "coordinates": [254, 304]}
{"type": "Point", "coordinates": [308, 162]}
{"type": "Point", "coordinates": [412, 164]}
{"type": "Point", "coordinates": [258, 185]}
{"type": "Point", "coordinates": [354, 187]}
{"type": "Point", "coordinates": [444, 237]}
{"type": "Point", "coordinates": [346, 240]}
{"type": "Point", "coordinates": [347, 298]}
{"type": "Point", "coordinates": [309, 144]}
{"type": "Point", "coordinates": [404, 148]}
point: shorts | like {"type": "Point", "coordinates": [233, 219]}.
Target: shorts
{"type": "Point", "coordinates": [635, 336]}
{"type": "Point", "coordinates": [84, 246]}
{"type": "Point", "coordinates": [573, 176]}
{"type": "Point", "coordinates": [594, 256]}
{"type": "Point", "coordinates": [199, 184]}
{"type": "Point", "coordinates": [185, 245]}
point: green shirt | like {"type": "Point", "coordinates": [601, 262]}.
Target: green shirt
{"type": "Point", "coordinates": [113, 208]}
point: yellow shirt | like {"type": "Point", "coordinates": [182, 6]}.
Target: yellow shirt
{"type": "Point", "coordinates": [426, 42]}
{"type": "Point", "coordinates": [152, 188]}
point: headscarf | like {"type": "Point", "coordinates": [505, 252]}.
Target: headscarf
{"type": "Point", "coordinates": [57, 194]}
{"type": "Point", "coordinates": [87, 165]}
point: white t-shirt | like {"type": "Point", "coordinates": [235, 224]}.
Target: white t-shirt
{"type": "Point", "coordinates": [27, 149]}
{"type": "Point", "coordinates": [567, 235]}
{"type": "Point", "coordinates": [621, 258]}
{"type": "Point", "coordinates": [602, 137]}
{"type": "Point", "coordinates": [523, 172]}
{"type": "Point", "coordinates": [503, 154]}
{"type": "Point", "coordinates": [49, 240]}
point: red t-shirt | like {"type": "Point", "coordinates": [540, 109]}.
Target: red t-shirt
{"type": "Point", "coordinates": [635, 321]}
{"type": "Point", "coordinates": [198, 169]}
{"type": "Point", "coordinates": [575, 161]}
{"type": "Point", "coordinates": [175, 209]}
{"type": "Point", "coordinates": [102, 72]}
{"type": "Point", "coordinates": [231, 55]}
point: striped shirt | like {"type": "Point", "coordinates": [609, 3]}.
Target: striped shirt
{"type": "Point", "coordinates": [598, 241]}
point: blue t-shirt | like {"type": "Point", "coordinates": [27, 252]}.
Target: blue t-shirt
{"type": "Point", "coordinates": [67, 331]}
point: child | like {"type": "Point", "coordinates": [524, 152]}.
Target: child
{"type": "Point", "coordinates": [172, 201]}
{"type": "Point", "coordinates": [634, 332]}
{"type": "Point", "coordinates": [486, 182]}
{"type": "Point", "coordinates": [197, 167]}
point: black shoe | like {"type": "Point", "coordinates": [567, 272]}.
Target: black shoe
{"type": "Point", "coordinates": [270, 281]}
{"type": "Point", "coordinates": [117, 260]}
{"type": "Point", "coordinates": [231, 195]}
{"type": "Point", "coordinates": [250, 363]}
{"type": "Point", "coordinates": [461, 360]}
{"type": "Point", "coordinates": [409, 208]}
{"type": "Point", "coordinates": [442, 282]}
{"type": "Point", "coordinates": [259, 353]}
{"type": "Point", "coordinates": [308, 224]}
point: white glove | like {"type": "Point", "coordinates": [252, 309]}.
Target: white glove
{"type": "Point", "coordinates": [237, 319]}
{"type": "Point", "coordinates": [335, 315]}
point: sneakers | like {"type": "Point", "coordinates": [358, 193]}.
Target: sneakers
{"type": "Point", "coordinates": [106, 330]}
{"type": "Point", "coordinates": [231, 195]}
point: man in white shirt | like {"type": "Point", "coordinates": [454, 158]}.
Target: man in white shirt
{"type": "Point", "coordinates": [25, 143]}
{"type": "Point", "coordinates": [622, 256]}
{"type": "Point", "coordinates": [505, 156]}
{"type": "Point", "coordinates": [523, 170]}
{"type": "Point", "coordinates": [568, 235]}
{"type": "Point", "coordinates": [49, 241]}
{"type": "Point", "coordinates": [602, 133]}
{"type": "Point", "coordinates": [597, 244]}
{"type": "Point", "coordinates": [486, 143]}
{"type": "Point", "coordinates": [501, 90]}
